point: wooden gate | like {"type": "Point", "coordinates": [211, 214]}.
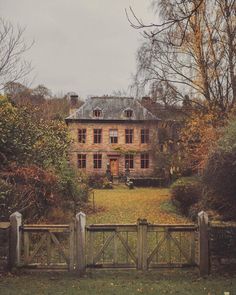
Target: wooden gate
{"type": "Point", "coordinates": [77, 246]}
{"type": "Point", "coordinates": [141, 245]}
{"type": "Point", "coordinates": [112, 246]}
{"type": "Point", "coordinates": [48, 246]}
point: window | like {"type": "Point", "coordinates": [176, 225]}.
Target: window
{"type": "Point", "coordinates": [113, 136]}
{"type": "Point", "coordinates": [129, 161]}
{"type": "Point", "coordinates": [144, 135]}
{"type": "Point", "coordinates": [97, 135]}
{"type": "Point", "coordinates": [97, 113]}
{"type": "Point", "coordinates": [97, 161]}
{"type": "Point", "coordinates": [145, 160]}
{"type": "Point", "coordinates": [128, 113]}
{"type": "Point", "coordinates": [81, 161]}
{"type": "Point", "coordinates": [128, 135]}
{"type": "Point", "coordinates": [82, 135]}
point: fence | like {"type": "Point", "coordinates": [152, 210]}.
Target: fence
{"type": "Point", "coordinates": [75, 246]}
{"type": "Point", "coordinates": [4, 245]}
{"type": "Point", "coordinates": [222, 238]}
{"type": "Point", "coordinates": [142, 245]}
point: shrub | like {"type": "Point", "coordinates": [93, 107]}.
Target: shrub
{"type": "Point", "coordinates": [73, 187]}
{"type": "Point", "coordinates": [185, 192]}
{"type": "Point", "coordinates": [96, 181]}
{"type": "Point", "coordinates": [6, 200]}
{"type": "Point", "coordinates": [220, 174]}
{"type": "Point", "coordinates": [29, 190]}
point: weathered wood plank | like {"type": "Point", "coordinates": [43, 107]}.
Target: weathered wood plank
{"type": "Point", "coordinates": [80, 242]}
{"type": "Point", "coordinates": [49, 249]}
{"type": "Point", "coordinates": [105, 245]}
{"type": "Point", "coordinates": [71, 247]}
{"type": "Point", "coordinates": [192, 247]}
{"type": "Point", "coordinates": [36, 249]}
{"type": "Point", "coordinates": [26, 247]}
{"type": "Point", "coordinates": [185, 255]}
{"type": "Point", "coordinates": [155, 250]}
{"type": "Point", "coordinates": [112, 265]}
{"type": "Point", "coordinates": [204, 265]}
{"type": "Point", "coordinates": [90, 248]}
{"type": "Point", "coordinates": [59, 246]}
{"type": "Point", "coordinates": [131, 254]}
{"type": "Point", "coordinates": [115, 249]}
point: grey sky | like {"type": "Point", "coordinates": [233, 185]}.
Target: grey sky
{"type": "Point", "coordinates": [85, 46]}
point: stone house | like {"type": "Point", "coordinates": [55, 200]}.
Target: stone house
{"type": "Point", "coordinates": [118, 131]}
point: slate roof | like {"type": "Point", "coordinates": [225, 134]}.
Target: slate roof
{"type": "Point", "coordinates": [112, 108]}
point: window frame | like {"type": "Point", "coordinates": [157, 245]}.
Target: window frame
{"type": "Point", "coordinates": [129, 159]}
{"type": "Point", "coordinates": [82, 134]}
{"type": "Point", "coordinates": [97, 161]}
{"type": "Point", "coordinates": [81, 161]}
{"type": "Point", "coordinates": [144, 160]}
{"type": "Point", "coordinates": [97, 113]}
{"type": "Point", "coordinates": [145, 135]}
{"type": "Point", "coordinates": [112, 137]}
{"type": "Point", "coordinates": [129, 113]}
{"type": "Point", "coordinates": [97, 135]}
{"type": "Point", "coordinates": [129, 136]}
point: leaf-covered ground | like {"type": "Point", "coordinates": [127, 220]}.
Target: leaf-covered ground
{"type": "Point", "coordinates": [122, 205]}
{"type": "Point", "coordinates": [117, 283]}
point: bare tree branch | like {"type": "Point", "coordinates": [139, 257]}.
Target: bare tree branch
{"type": "Point", "coordinates": [13, 67]}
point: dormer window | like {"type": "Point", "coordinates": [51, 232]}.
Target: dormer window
{"type": "Point", "coordinates": [128, 113]}
{"type": "Point", "coordinates": [97, 113]}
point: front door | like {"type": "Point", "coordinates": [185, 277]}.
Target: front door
{"type": "Point", "coordinates": [114, 167]}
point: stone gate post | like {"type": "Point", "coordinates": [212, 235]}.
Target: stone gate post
{"type": "Point", "coordinates": [204, 259]}
{"type": "Point", "coordinates": [80, 223]}
{"type": "Point", "coordinates": [142, 225]}
{"type": "Point", "coordinates": [15, 239]}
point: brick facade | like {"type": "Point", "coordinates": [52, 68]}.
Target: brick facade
{"type": "Point", "coordinates": [113, 151]}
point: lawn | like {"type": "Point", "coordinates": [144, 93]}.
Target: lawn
{"type": "Point", "coordinates": [122, 205]}
{"type": "Point", "coordinates": [118, 282]}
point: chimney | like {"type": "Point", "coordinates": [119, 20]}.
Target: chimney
{"type": "Point", "coordinates": [73, 99]}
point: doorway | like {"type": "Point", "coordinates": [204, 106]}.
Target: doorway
{"type": "Point", "coordinates": [114, 164]}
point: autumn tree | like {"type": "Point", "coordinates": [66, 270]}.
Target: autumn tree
{"type": "Point", "coordinates": [188, 60]}
{"type": "Point", "coordinates": [192, 51]}
{"type": "Point", "coordinates": [198, 138]}
{"type": "Point", "coordinates": [35, 175]}
{"type": "Point", "coordinates": [26, 138]}
{"type": "Point", "coordinates": [49, 106]}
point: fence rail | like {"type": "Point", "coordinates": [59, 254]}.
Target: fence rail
{"type": "Point", "coordinates": [48, 246]}
{"type": "Point", "coordinates": [75, 246]}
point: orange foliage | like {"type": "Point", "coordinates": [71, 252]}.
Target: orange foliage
{"type": "Point", "coordinates": [35, 191]}
{"type": "Point", "coordinates": [198, 138]}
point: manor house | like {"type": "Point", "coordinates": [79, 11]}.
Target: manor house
{"type": "Point", "coordinates": [118, 131]}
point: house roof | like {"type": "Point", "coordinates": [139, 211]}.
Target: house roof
{"type": "Point", "coordinates": [112, 108]}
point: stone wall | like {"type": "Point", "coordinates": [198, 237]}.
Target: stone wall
{"type": "Point", "coordinates": [117, 150]}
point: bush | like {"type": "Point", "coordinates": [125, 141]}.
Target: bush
{"type": "Point", "coordinates": [220, 174]}
{"type": "Point", "coordinates": [96, 181]}
{"type": "Point", "coordinates": [73, 187]}
{"type": "Point", "coordinates": [185, 192]}
{"type": "Point", "coordinates": [6, 200]}
{"type": "Point", "coordinates": [30, 190]}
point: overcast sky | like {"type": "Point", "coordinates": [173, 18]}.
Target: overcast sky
{"type": "Point", "coordinates": [86, 46]}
